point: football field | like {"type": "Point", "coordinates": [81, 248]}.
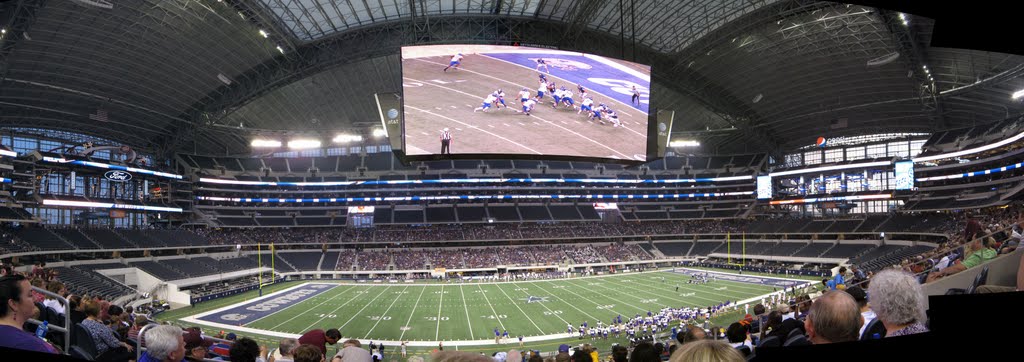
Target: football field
{"type": "Point", "coordinates": [466, 314]}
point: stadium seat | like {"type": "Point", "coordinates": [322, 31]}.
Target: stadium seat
{"type": "Point", "coordinates": [84, 343]}
{"type": "Point", "coordinates": [771, 341]}
{"type": "Point", "coordinates": [978, 281]}
{"type": "Point", "coordinates": [797, 340]}
{"type": "Point", "coordinates": [874, 330]}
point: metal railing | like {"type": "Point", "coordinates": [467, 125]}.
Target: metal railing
{"type": "Point", "coordinates": [66, 329]}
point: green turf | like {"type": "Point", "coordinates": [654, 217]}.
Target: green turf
{"type": "Point", "coordinates": [471, 311]}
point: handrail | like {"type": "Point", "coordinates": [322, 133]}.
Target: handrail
{"type": "Point", "coordinates": [67, 317]}
{"type": "Point", "coordinates": [138, 345]}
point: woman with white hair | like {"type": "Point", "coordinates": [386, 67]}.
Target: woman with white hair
{"type": "Point", "coordinates": [898, 301]}
{"type": "Point", "coordinates": [164, 343]}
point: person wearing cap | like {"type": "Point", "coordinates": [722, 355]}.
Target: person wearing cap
{"type": "Point", "coordinates": [563, 353]}
{"type": "Point", "coordinates": [196, 347]}
{"type": "Point", "coordinates": [446, 142]}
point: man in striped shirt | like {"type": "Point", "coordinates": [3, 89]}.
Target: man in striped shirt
{"type": "Point", "coordinates": [446, 141]}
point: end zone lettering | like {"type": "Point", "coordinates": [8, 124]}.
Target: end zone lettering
{"type": "Point", "coordinates": [282, 300]}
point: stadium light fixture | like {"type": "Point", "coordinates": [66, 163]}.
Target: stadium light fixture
{"type": "Point", "coordinates": [3, 31]}
{"type": "Point", "coordinates": [379, 132]}
{"type": "Point", "coordinates": [684, 143]}
{"type": "Point", "coordinates": [346, 138]}
{"type": "Point", "coordinates": [1018, 94]}
{"type": "Point", "coordinates": [904, 19]}
{"type": "Point", "coordinates": [280, 49]}
{"type": "Point", "coordinates": [266, 143]}
{"type": "Point", "coordinates": [301, 144]}
{"type": "Point", "coordinates": [264, 33]}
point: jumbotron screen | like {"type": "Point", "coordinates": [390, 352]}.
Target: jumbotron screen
{"type": "Point", "coordinates": [487, 100]}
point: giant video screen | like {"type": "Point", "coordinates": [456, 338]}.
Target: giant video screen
{"type": "Point", "coordinates": [487, 100]}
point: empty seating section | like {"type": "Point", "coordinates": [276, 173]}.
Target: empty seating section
{"type": "Point", "coordinates": [43, 239]}
{"type": "Point", "coordinates": [382, 215]}
{"type": "Point", "coordinates": [303, 261]}
{"type": "Point", "coordinates": [503, 213]}
{"type": "Point", "coordinates": [471, 213]}
{"type": "Point", "coordinates": [108, 239]}
{"type": "Point", "coordinates": [85, 281]}
{"type": "Point", "coordinates": [813, 250]}
{"type": "Point", "coordinates": [14, 213]}
{"type": "Point", "coordinates": [409, 216]}
{"type": "Point", "coordinates": [846, 250]}
{"type": "Point", "coordinates": [230, 164]}
{"type": "Point", "coordinates": [300, 165]}
{"type": "Point", "coordinates": [588, 212]}
{"type": "Point", "coordinates": [786, 248]}
{"type": "Point", "coordinates": [564, 212]}
{"type": "Point", "coordinates": [844, 225]}
{"type": "Point", "coordinates": [275, 221]}
{"type": "Point", "coordinates": [816, 226]}
{"type": "Point", "coordinates": [76, 238]}
{"type": "Point", "coordinates": [703, 248]}
{"type": "Point", "coordinates": [444, 214]}
{"type": "Point", "coordinates": [158, 270]}
{"type": "Point", "coordinates": [276, 164]}
{"type": "Point", "coordinates": [233, 221]}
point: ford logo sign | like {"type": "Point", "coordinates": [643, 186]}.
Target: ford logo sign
{"type": "Point", "coordinates": [119, 176]}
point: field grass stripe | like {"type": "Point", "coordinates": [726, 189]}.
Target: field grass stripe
{"type": "Point", "coordinates": [335, 310]}
{"type": "Point", "coordinates": [520, 310]}
{"type": "Point", "coordinates": [437, 332]}
{"type": "Point", "coordinates": [368, 333]}
{"type": "Point", "coordinates": [614, 299]}
{"type": "Point", "coordinates": [696, 296]}
{"type": "Point", "coordinates": [492, 307]}
{"type": "Point", "coordinates": [364, 308]}
{"type": "Point", "coordinates": [545, 307]}
{"type": "Point", "coordinates": [567, 303]}
{"type": "Point", "coordinates": [310, 309]}
{"type": "Point", "coordinates": [417, 304]}
{"type": "Point", "coordinates": [466, 308]}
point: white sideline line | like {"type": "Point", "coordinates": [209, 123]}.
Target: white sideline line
{"type": "Point", "coordinates": [466, 308]}
{"type": "Point", "coordinates": [364, 308]}
{"type": "Point", "coordinates": [439, 304]}
{"type": "Point", "coordinates": [492, 307]}
{"type": "Point", "coordinates": [386, 312]}
{"type": "Point", "coordinates": [314, 307]}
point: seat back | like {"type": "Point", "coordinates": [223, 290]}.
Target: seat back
{"type": "Point", "coordinates": [984, 276]}
{"type": "Point", "coordinates": [874, 330]}
{"type": "Point", "coordinates": [744, 350]}
{"type": "Point", "coordinates": [797, 340]}
{"type": "Point", "coordinates": [771, 341]}
{"type": "Point", "coordinates": [974, 285]}
{"type": "Point", "coordinates": [84, 341]}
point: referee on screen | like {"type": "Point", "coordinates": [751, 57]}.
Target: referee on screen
{"type": "Point", "coordinates": [446, 142]}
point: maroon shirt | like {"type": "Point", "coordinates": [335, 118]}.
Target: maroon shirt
{"type": "Point", "coordinates": [316, 338]}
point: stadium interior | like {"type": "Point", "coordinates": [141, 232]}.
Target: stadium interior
{"type": "Point", "coordinates": [227, 167]}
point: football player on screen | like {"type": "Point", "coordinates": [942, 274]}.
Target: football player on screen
{"type": "Point", "coordinates": [455, 62]}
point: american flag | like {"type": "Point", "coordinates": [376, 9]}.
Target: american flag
{"type": "Point", "coordinates": [101, 115]}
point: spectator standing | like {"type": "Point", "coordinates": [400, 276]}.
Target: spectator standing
{"type": "Point", "coordinates": [320, 338]}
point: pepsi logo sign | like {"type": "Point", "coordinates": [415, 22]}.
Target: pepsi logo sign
{"type": "Point", "coordinates": [119, 176]}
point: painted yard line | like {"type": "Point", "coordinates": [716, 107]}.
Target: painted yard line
{"type": "Point", "coordinates": [417, 304]}
{"type": "Point", "coordinates": [687, 289]}
{"type": "Point", "coordinates": [336, 309]}
{"type": "Point", "coordinates": [439, 304]}
{"type": "Point", "coordinates": [570, 304]}
{"type": "Point", "coordinates": [368, 333]}
{"type": "Point", "coordinates": [545, 307]}
{"type": "Point", "coordinates": [311, 309]}
{"type": "Point", "coordinates": [520, 310]}
{"type": "Point", "coordinates": [492, 307]}
{"type": "Point", "coordinates": [466, 308]}
{"type": "Point", "coordinates": [614, 299]}
{"type": "Point", "coordinates": [362, 309]}
{"type": "Point", "coordinates": [474, 127]}
{"type": "Point", "coordinates": [565, 81]}
{"type": "Point", "coordinates": [538, 117]}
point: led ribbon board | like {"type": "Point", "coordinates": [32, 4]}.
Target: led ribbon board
{"type": "Point", "coordinates": [109, 205]}
{"type": "Point", "coordinates": [475, 180]}
{"type": "Point", "coordinates": [832, 199]}
{"type": "Point", "coordinates": [972, 174]}
{"type": "Point", "coordinates": [4, 180]}
{"type": "Point", "coordinates": [111, 167]}
{"type": "Point", "coordinates": [8, 153]}
{"type": "Point", "coordinates": [474, 197]}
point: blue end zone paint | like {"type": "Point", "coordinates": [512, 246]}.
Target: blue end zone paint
{"type": "Point", "coordinates": [255, 310]}
{"type": "Point", "coordinates": [562, 66]}
{"type": "Point", "coordinates": [782, 283]}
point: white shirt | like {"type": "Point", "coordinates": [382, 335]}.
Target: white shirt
{"type": "Point", "coordinates": [568, 94]}
{"type": "Point", "coordinates": [543, 87]}
{"type": "Point", "coordinates": [588, 102]}
{"type": "Point", "coordinates": [868, 317]}
{"type": "Point", "coordinates": [529, 103]}
{"type": "Point", "coordinates": [456, 58]}
{"type": "Point", "coordinates": [524, 94]}
{"type": "Point", "coordinates": [490, 98]}
{"type": "Point", "coordinates": [55, 305]}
